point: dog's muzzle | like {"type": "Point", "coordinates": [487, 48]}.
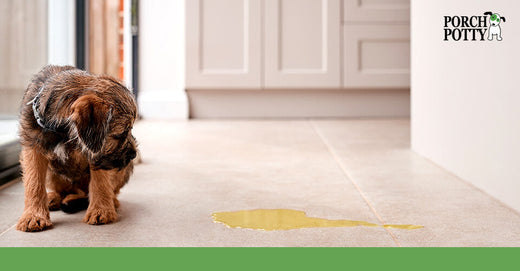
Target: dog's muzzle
{"type": "Point", "coordinates": [109, 162]}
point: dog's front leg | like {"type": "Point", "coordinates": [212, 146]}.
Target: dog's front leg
{"type": "Point", "coordinates": [36, 215]}
{"type": "Point", "coordinates": [101, 208]}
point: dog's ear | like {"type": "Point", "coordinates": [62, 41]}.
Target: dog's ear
{"type": "Point", "coordinates": [503, 19]}
{"type": "Point", "coordinates": [488, 13]}
{"type": "Point", "coordinates": [91, 116]}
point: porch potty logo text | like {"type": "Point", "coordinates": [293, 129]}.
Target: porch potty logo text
{"type": "Point", "coordinates": [473, 28]}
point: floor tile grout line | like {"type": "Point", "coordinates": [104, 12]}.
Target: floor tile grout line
{"type": "Point", "coordinates": [8, 229]}
{"type": "Point", "coordinates": [349, 178]}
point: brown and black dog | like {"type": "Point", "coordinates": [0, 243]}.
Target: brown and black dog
{"type": "Point", "coordinates": [75, 130]}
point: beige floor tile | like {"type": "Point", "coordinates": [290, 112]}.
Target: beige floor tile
{"type": "Point", "coordinates": [11, 204]}
{"type": "Point", "coordinates": [406, 188]}
{"type": "Point", "coordinates": [192, 169]}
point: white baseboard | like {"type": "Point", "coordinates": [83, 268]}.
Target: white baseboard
{"type": "Point", "coordinates": [163, 104]}
{"type": "Point", "coordinates": [298, 103]}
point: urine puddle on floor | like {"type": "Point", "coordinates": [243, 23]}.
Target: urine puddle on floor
{"type": "Point", "coordinates": [286, 219]}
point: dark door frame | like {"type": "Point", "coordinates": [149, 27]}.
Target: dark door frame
{"type": "Point", "coordinates": [81, 34]}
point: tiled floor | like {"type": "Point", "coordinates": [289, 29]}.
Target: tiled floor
{"type": "Point", "coordinates": [336, 169]}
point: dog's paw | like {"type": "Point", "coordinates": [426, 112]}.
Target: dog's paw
{"type": "Point", "coordinates": [32, 222]}
{"type": "Point", "coordinates": [54, 200]}
{"type": "Point", "coordinates": [96, 216]}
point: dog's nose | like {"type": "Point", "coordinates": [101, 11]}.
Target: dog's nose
{"type": "Point", "coordinates": [131, 154]}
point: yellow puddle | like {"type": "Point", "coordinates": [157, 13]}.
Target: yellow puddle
{"type": "Point", "coordinates": [285, 219]}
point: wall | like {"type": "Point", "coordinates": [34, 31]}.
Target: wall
{"type": "Point", "coordinates": [466, 96]}
{"type": "Point", "coordinates": [23, 49]}
{"type": "Point", "coordinates": [61, 32]}
{"type": "Point", "coordinates": [161, 59]}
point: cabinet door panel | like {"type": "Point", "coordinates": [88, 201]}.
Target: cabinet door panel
{"type": "Point", "coordinates": [376, 10]}
{"type": "Point", "coordinates": [377, 56]}
{"type": "Point", "coordinates": [302, 43]}
{"type": "Point", "coordinates": [223, 44]}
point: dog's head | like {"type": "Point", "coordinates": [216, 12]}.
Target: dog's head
{"type": "Point", "coordinates": [494, 18]}
{"type": "Point", "coordinates": [102, 120]}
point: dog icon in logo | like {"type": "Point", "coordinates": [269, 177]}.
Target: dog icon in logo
{"type": "Point", "coordinates": [494, 27]}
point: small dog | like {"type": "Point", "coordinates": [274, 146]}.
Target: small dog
{"type": "Point", "coordinates": [75, 131]}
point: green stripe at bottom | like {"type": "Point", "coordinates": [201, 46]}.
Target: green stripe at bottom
{"type": "Point", "coordinates": [259, 258]}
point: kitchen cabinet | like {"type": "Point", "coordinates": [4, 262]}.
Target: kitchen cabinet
{"type": "Point", "coordinates": [376, 56]}
{"type": "Point", "coordinates": [297, 44]}
{"type": "Point", "coordinates": [223, 43]}
{"type": "Point", "coordinates": [302, 44]}
{"type": "Point", "coordinates": [369, 11]}
{"type": "Point", "coordinates": [376, 44]}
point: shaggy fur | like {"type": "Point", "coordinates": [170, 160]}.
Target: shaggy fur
{"type": "Point", "coordinates": [83, 153]}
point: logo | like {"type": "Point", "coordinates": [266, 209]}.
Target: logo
{"type": "Point", "coordinates": [473, 28]}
